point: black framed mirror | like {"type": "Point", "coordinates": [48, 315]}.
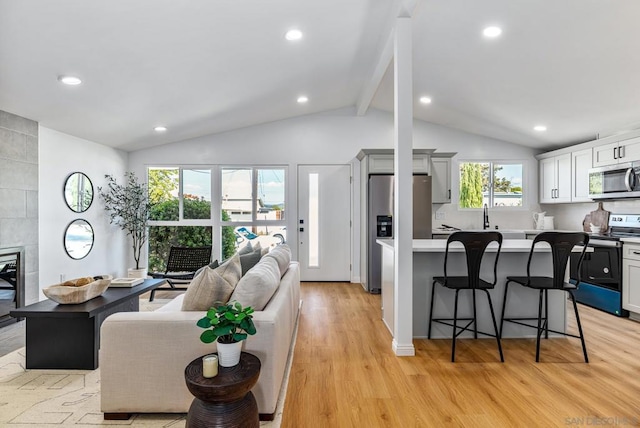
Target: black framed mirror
{"type": "Point", "coordinates": [78, 239]}
{"type": "Point", "coordinates": [78, 192]}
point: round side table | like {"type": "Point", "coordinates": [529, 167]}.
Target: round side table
{"type": "Point", "coordinates": [225, 400]}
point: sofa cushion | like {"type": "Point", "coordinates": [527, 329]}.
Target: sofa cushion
{"type": "Point", "coordinates": [282, 255]}
{"type": "Point", "coordinates": [212, 285]}
{"type": "Point", "coordinates": [257, 286]}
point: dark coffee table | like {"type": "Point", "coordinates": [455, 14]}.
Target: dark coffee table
{"type": "Point", "coordinates": [68, 336]}
{"type": "Point", "coordinates": [225, 400]}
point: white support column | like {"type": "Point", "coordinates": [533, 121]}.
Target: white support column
{"type": "Point", "coordinates": [403, 187]}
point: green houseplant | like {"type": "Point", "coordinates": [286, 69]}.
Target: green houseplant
{"type": "Point", "coordinates": [128, 207]}
{"type": "Point", "coordinates": [228, 324]}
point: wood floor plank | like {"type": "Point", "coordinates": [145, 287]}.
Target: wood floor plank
{"type": "Point", "coordinates": [344, 373]}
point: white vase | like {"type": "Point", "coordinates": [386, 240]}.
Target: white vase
{"type": "Point", "coordinates": [137, 273]}
{"type": "Point", "coordinates": [229, 353]}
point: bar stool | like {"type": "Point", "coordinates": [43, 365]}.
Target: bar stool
{"type": "Point", "coordinates": [475, 244]}
{"type": "Point", "coordinates": [561, 247]}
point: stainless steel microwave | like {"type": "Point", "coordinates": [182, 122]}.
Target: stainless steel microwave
{"type": "Point", "coordinates": [615, 181]}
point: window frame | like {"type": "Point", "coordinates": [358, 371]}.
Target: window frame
{"type": "Point", "coordinates": [525, 183]}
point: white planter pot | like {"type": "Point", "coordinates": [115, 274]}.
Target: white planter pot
{"type": "Point", "coordinates": [229, 353]}
{"type": "Point", "coordinates": [137, 273]}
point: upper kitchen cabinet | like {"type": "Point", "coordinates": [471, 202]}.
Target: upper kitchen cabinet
{"type": "Point", "coordinates": [383, 163]}
{"type": "Point", "coordinates": [617, 152]}
{"type": "Point", "coordinates": [581, 162]}
{"type": "Point", "coordinates": [555, 179]}
{"type": "Point", "coordinates": [441, 177]}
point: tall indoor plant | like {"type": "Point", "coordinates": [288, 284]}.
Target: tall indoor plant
{"type": "Point", "coordinates": [228, 324]}
{"type": "Point", "coordinates": [128, 207]}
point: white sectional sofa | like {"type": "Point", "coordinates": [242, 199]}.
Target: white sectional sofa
{"type": "Point", "coordinates": [143, 354]}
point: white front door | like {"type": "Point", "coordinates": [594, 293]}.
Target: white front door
{"type": "Point", "coordinates": [324, 223]}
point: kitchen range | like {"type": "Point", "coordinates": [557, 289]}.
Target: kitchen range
{"type": "Point", "coordinates": [601, 273]}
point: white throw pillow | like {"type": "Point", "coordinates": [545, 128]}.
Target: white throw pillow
{"type": "Point", "coordinates": [282, 254]}
{"type": "Point", "coordinates": [206, 288]}
{"type": "Point", "coordinates": [257, 286]}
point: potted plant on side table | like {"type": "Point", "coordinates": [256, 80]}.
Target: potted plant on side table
{"type": "Point", "coordinates": [128, 207]}
{"type": "Point", "coordinates": [229, 324]}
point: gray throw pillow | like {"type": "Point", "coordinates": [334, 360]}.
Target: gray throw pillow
{"type": "Point", "coordinates": [246, 249]}
{"type": "Point", "coordinates": [207, 288]}
{"type": "Point", "coordinates": [247, 261]}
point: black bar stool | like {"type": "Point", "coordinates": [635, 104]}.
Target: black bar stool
{"type": "Point", "coordinates": [561, 247]}
{"type": "Point", "coordinates": [475, 244]}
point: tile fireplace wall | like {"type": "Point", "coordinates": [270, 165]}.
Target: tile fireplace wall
{"type": "Point", "coordinates": [19, 193]}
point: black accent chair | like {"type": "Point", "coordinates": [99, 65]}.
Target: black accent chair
{"type": "Point", "coordinates": [181, 267]}
{"type": "Point", "coordinates": [562, 245]}
{"type": "Point", "coordinates": [475, 244]}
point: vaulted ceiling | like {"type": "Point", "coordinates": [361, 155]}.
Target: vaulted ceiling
{"type": "Point", "coordinates": [201, 66]}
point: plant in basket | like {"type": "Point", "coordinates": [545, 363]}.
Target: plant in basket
{"type": "Point", "coordinates": [228, 325]}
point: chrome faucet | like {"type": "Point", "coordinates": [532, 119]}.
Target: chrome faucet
{"type": "Point", "coordinates": [486, 217]}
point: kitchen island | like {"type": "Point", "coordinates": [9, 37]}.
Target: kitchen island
{"type": "Point", "coordinates": [428, 261]}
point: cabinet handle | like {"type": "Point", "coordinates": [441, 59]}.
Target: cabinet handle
{"type": "Point", "coordinates": [636, 252]}
{"type": "Point", "coordinates": [615, 153]}
{"type": "Point", "coordinates": [621, 151]}
{"type": "Point", "coordinates": [449, 193]}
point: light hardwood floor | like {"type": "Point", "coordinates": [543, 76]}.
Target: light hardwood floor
{"type": "Point", "coordinates": [344, 373]}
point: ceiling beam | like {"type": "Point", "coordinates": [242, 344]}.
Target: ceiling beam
{"type": "Point", "coordinates": [401, 8]}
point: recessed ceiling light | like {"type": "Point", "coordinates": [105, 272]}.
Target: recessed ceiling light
{"type": "Point", "coordinates": [540, 128]}
{"type": "Point", "coordinates": [302, 99]}
{"type": "Point", "coordinates": [425, 100]}
{"type": "Point", "coordinates": [492, 31]}
{"type": "Point", "coordinates": [292, 35]}
{"type": "Point", "coordinates": [160, 128]}
{"type": "Point", "coordinates": [70, 80]}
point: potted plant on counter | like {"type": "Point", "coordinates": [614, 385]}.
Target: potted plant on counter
{"type": "Point", "coordinates": [128, 207]}
{"type": "Point", "coordinates": [229, 324]}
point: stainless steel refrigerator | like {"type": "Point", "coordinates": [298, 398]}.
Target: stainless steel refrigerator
{"type": "Point", "coordinates": [380, 219]}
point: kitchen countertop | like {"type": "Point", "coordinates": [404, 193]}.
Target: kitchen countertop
{"type": "Point", "coordinates": [439, 246]}
{"type": "Point", "coordinates": [525, 231]}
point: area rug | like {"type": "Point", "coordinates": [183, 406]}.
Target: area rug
{"type": "Point", "coordinates": [71, 398]}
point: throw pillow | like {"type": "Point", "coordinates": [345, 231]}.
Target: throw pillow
{"type": "Point", "coordinates": [256, 288]}
{"type": "Point", "coordinates": [231, 270]}
{"type": "Point", "coordinates": [282, 254]}
{"type": "Point", "coordinates": [214, 264]}
{"type": "Point", "coordinates": [206, 288]}
{"type": "Point", "coordinates": [246, 249]}
{"type": "Point", "coordinates": [247, 261]}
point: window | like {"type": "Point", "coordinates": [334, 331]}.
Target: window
{"type": "Point", "coordinates": [497, 184]}
{"type": "Point", "coordinates": [180, 211]}
{"type": "Point", "coordinates": [253, 207]}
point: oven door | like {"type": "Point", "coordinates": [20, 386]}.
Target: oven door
{"type": "Point", "coordinates": [600, 277]}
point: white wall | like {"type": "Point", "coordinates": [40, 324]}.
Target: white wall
{"type": "Point", "coordinates": [59, 155]}
{"type": "Point", "coordinates": [571, 216]}
{"type": "Point", "coordinates": [335, 138]}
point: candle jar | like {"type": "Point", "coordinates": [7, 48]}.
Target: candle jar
{"type": "Point", "coordinates": [209, 365]}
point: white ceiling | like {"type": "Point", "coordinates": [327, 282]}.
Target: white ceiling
{"type": "Point", "coordinates": [207, 66]}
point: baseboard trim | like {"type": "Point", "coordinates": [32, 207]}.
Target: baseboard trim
{"type": "Point", "coordinates": [403, 350]}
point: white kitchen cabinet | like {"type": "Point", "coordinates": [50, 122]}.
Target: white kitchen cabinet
{"type": "Point", "coordinates": [383, 164]}
{"type": "Point", "coordinates": [618, 152]}
{"type": "Point", "coordinates": [581, 162]}
{"type": "Point", "coordinates": [555, 179]}
{"type": "Point", "coordinates": [631, 278]}
{"type": "Point", "coordinates": [441, 180]}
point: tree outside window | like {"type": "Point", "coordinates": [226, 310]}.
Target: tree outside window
{"type": "Point", "coordinates": [494, 184]}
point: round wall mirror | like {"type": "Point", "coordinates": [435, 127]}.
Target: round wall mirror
{"type": "Point", "coordinates": [78, 239]}
{"type": "Point", "coordinates": [78, 192]}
